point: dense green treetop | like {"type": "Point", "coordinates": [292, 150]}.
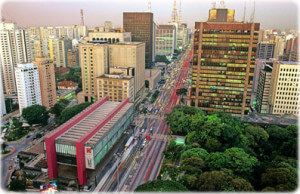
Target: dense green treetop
{"type": "Point", "coordinates": [161, 186]}
{"type": "Point", "coordinates": [35, 114]}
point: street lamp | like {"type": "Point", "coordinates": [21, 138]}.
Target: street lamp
{"type": "Point", "coordinates": [117, 156]}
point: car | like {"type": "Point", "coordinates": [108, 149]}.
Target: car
{"type": "Point", "coordinates": [143, 130]}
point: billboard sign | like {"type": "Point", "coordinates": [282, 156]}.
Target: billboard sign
{"type": "Point", "coordinates": [89, 158]}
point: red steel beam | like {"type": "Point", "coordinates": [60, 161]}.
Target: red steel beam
{"type": "Point", "coordinates": [50, 138]}
{"type": "Point", "coordinates": [79, 144]}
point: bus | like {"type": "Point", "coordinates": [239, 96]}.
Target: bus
{"type": "Point", "coordinates": [130, 140]}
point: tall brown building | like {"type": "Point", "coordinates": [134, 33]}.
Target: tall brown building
{"type": "Point", "coordinates": [142, 29]}
{"type": "Point", "coordinates": [223, 63]}
{"type": "Point", "coordinates": [73, 58]}
{"type": "Point", "coordinates": [47, 81]}
{"type": "Point", "coordinates": [295, 52]}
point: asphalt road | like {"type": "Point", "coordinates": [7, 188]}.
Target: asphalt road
{"type": "Point", "coordinates": [141, 163]}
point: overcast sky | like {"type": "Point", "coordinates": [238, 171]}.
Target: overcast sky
{"type": "Point", "coordinates": [278, 14]}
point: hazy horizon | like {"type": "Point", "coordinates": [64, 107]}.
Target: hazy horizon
{"type": "Point", "coordinates": [276, 14]}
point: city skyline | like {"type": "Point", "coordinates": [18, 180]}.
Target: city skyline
{"type": "Point", "coordinates": [96, 12]}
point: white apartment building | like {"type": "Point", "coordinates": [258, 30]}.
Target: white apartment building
{"type": "Point", "coordinates": [14, 49]}
{"type": "Point", "coordinates": [28, 85]}
{"type": "Point", "coordinates": [284, 90]}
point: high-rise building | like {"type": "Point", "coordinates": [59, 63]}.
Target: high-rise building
{"type": "Point", "coordinates": [295, 52]}
{"type": "Point", "coordinates": [28, 85]}
{"type": "Point", "coordinates": [165, 39]}
{"type": "Point", "coordinates": [47, 81]}
{"type": "Point", "coordinates": [265, 50]}
{"type": "Point", "coordinates": [108, 26]}
{"type": "Point", "coordinates": [142, 29]}
{"type": "Point", "coordinates": [14, 49]}
{"type": "Point", "coordinates": [116, 86]}
{"type": "Point", "coordinates": [284, 90]}
{"type": "Point", "coordinates": [126, 55]}
{"type": "Point", "coordinates": [111, 37]}
{"type": "Point", "coordinates": [279, 46]}
{"type": "Point", "coordinates": [223, 64]}
{"type": "Point", "coordinates": [73, 57]}
{"type": "Point", "coordinates": [263, 88]}
{"type": "Point", "coordinates": [58, 48]}
{"type": "Point", "coordinates": [2, 104]}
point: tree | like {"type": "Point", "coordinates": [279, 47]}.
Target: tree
{"type": "Point", "coordinates": [16, 123]}
{"type": "Point", "coordinates": [161, 58]}
{"type": "Point", "coordinates": [10, 106]}
{"type": "Point", "coordinates": [190, 181]}
{"type": "Point", "coordinates": [240, 184]}
{"type": "Point", "coordinates": [178, 122]}
{"type": "Point", "coordinates": [161, 186]}
{"type": "Point", "coordinates": [146, 83]}
{"type": "Point", "coordinates": [17, 185]}
{"type": "Point", "coordinates": [280, 178]}
{"type": "Point", "coordinates": [57, 109]}
{"type": "Point", "coordinates": [217, 161]}
{"type": "Point", "coordinates": [194, 152]}
{"type": "Point", "coordinates": [240, 162]}
{"type": "Point", "coordinates": [192, 165]}
{"type": "Point", "coordinates": [215, 181]}
{"type": "Point", "coordinates": [70, 112]}
{"type": "Point", "coordinates": [35, 114]}
{"type": "Point", "coordinates": [181, 92]}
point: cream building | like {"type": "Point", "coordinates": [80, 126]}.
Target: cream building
{"type": "Point", "coordinates": [14, 49]}
{"type": "Point", "coordinates": [117, 86]}
{"type": "Point", "coordinates": [97, 57]}
{"type": "Point", "coordinates": [284, 90]}
{"type": "Point", "coordinates": [47, 81]}
{"type": "Point", "coordinates": [112, 37]}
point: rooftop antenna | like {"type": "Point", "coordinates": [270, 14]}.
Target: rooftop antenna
{"type": "Point", "coordinates": [244, 16]}
{"type": "Point", "coordinates": [149, 5]}
{"type": "Point", "coordinates": [253, 13]}
{"type": "Point", "coordinates": [179, 13]}
{"type": "Point", "coordinates": [222, 4]}
{"type": "Point", "coordinates": [214, 4]}
{"type": "Point", "coordinates": [82, 20]}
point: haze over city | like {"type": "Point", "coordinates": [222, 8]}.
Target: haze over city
{"type": "Point", "coordinates": [271, 14]}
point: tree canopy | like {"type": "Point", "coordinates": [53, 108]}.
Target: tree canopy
{"type": "Point", "coordinates": [70, 112]}
{"type": "Point", "coordinates": [35, 114]}
{"type": "Point", "coordinates": [161, 186]}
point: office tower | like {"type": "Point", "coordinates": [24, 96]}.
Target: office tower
{"type": "Point", "coordinates": [279, 46]}
{"type": "Point", "coordinates": [111, 37]}
{"type": "Point", "coordinates": [142, 29]}
{"type": "Point", "coordinates": [73, 57]}
{"type": "Point", "coordinates": [295, 52]}
{"type": "Point", "coordinates": [263, 88]}
{"type": "Point", "coordinates": [165, 39]}
{"type": "Point", "coordinates": [265, 50]}
{"type": "Point", "coordinates": [36, 47]}
{"type": "Point", "coordinates": [2, 100]}
{"type": "Point", "coordinates": [28, 85]}
{"type": "Point", "coordinates": [47, 81]}
{"type": "Point", "coordinates": [284, 91]}
{"type": "Point", "coordinates": [127, 56]}
{"type": "Point", "coordinates": [14, 48]}
{"type": "Point", "coordinates": [108, 26]}
{"type": "Point", "coordinates": [116, 86]}
{"type": "Point", "coordinates": [223, 63]}
{"type": "Point", "coordinates": [58, 48]}
{"type": "Point", "coordinates": [130, 55]}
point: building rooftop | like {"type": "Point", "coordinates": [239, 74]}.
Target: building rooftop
{"type": "Point", "coordinates": [92, 120]}
{"type": "Point", "coordinates": [288, 62]}
{"type": "Point", "coordinates": [67, 84]}
{"type": "Point", "coordinates": [115, 76]}
{"type": "Point", "coordinates": [270, 119]}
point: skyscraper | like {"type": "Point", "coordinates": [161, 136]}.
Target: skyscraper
{"type": "Point", "coordinates": [14, 49]}
{"type": "Point", "coordinates": [142, 29]}
{"type": "Point", "coordinates": [284, 90]}
{"type": "Point", "coordinates": [265, 50]}
{"type": "Point", "coordinates": [28, 85]}
{"type": "Point", "coordinates": [165, 39]}
{"type": "Point", "coordinates": [223, 63]}
{"type": "Point", "coordinates": [47, 81]}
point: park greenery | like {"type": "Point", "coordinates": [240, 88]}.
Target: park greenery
{"type": "Point", "coordinates": [222, 153]}
{"type": "Point", "coordinates": [10, 106]}
{"type": "Point", "coordinates": [70, 112]}
{"type": "Point", "coordinates": [59, 107]}
{"type": "Point", "coordinates": [161, 58]}
{"type": "Point", "coordinates": [35, 114]}
{"type": "Point", "coordinates": [161, 186]}
{"type": "Point", "coordinates": [154, 96]}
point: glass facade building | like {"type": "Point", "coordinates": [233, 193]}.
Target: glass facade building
{"type": "Point", "coordinates": [223, 66]}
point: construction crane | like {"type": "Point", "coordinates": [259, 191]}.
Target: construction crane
{"type": "Point", "coordinates": [253, 13]}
